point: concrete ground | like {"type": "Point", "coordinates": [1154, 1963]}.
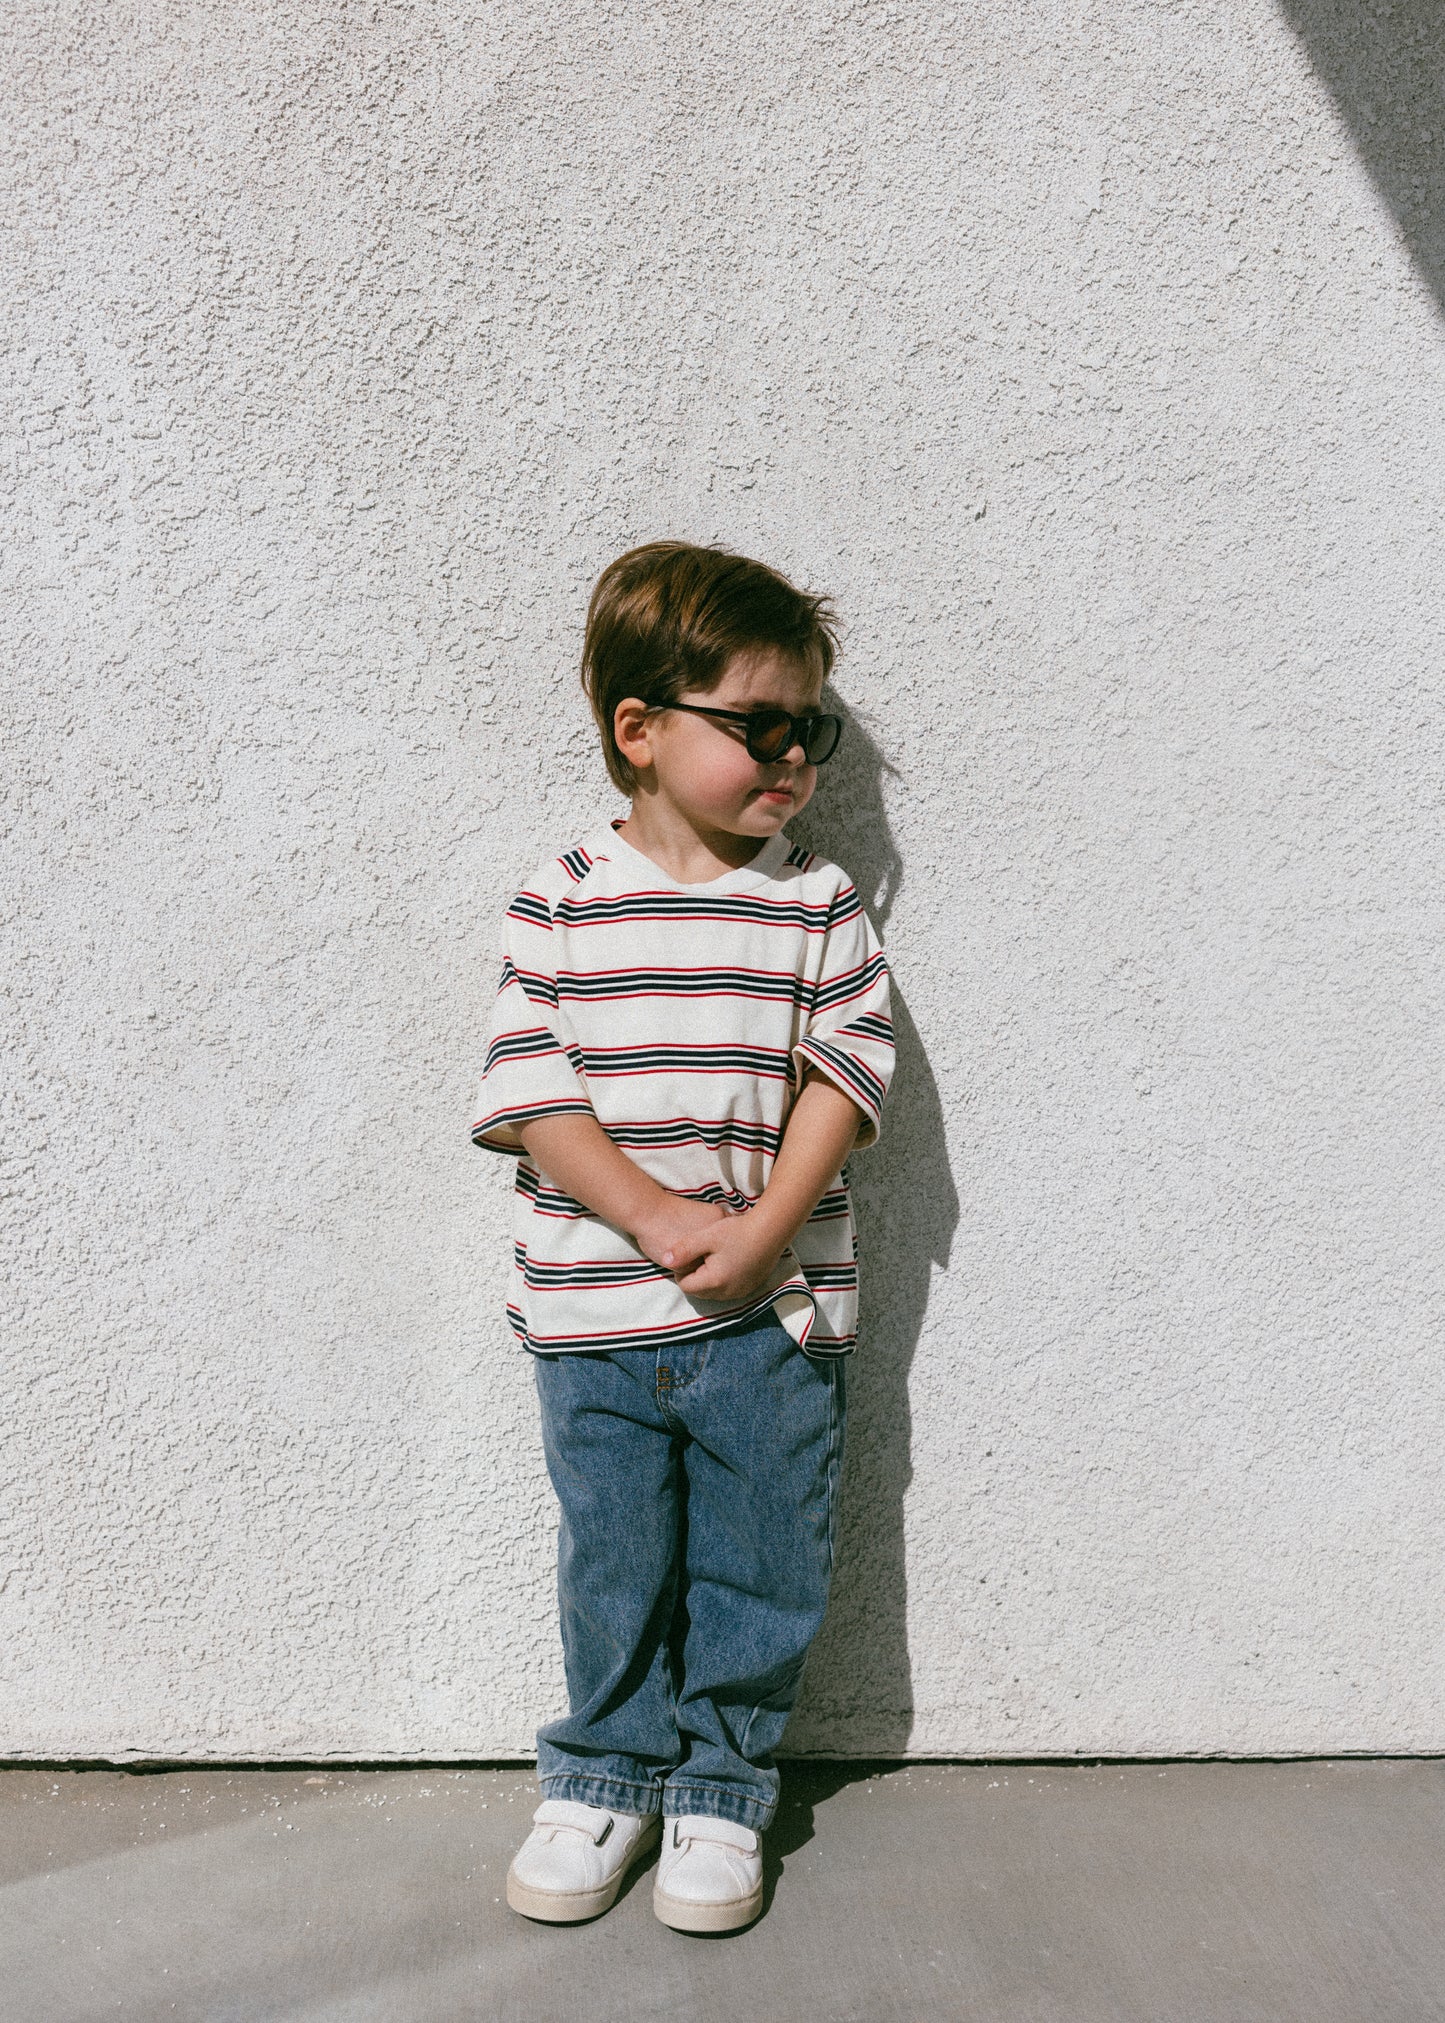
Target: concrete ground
{"type": "Point", "coordinates": [1199, 1892]}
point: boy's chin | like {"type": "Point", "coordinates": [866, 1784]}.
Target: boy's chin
{"type": "Point", "coordinates": [763, 821]}
{"type": "Point", "coordinates": [756, 821]}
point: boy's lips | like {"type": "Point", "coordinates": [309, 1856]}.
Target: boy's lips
{"type": "Point", "coordinates": [776, 794]}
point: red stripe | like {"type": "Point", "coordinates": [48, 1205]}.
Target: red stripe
{"type": "Point", "coordinates": [624, 1074]}
{"type": "Point", "coordinates": [697, 969]}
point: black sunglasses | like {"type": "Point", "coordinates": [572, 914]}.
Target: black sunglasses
{"type": "Point", "coordinates": [771, 732]}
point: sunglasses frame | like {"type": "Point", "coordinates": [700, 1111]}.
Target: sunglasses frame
{"type": "Point", "coordinates": [798, 728]}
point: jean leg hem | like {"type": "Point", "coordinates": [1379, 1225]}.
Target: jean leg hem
{"type": "Point", "coordinates": [718, 1801]}
{"type": "Point", "coordinates": [613, 1794]}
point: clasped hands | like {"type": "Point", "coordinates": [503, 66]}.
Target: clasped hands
{"type": "Point", "coordinates": [711, 1252]}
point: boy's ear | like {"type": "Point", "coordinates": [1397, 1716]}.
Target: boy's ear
{"type": "Point", "coordinates": [631, 729]}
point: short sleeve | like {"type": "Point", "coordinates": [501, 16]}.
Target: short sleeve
{"type": "Point", "coordinates": [529, 1071]}
{"type": "Point", "coordinates": [849, 1033]}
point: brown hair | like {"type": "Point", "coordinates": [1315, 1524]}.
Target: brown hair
{"type": "Point", "coordinates": [669, 617]}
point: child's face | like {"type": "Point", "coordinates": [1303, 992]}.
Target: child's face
{"type": "Point", "coordinates": [703, 766]}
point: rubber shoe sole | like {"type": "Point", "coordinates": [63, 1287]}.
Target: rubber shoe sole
{"type": "Point", "coordinates": [572, 1907]}
{"type": "Point", "coordinates": [728, 1917]}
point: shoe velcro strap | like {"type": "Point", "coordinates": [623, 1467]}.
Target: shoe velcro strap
{"type": "Point", "coordinates": [592, 1820]}
{"type": "Point", "coordinates": [726, 1832]}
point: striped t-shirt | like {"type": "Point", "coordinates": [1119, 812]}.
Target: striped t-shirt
{"type": "Point", "coordinates": [683, 1017]}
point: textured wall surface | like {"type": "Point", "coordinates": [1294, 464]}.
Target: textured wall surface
{"type": "Point", "coordinates": [1091, 358]}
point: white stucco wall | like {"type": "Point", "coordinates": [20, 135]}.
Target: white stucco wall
{"type": "Point", "coordinates": [1079, 353]}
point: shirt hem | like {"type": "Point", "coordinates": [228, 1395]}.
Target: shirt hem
{"type": "Point", "coordinates": [825, 1348]}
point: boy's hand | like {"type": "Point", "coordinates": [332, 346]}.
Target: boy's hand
{"type": "Point", "coordinates": [735, 1256]}
{"type": "Point", "coordinates": [671, 1234]}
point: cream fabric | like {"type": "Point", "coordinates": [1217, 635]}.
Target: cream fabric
{"type": "Point", "coordinates": [683, 1017]}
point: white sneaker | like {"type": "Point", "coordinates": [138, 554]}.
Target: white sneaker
{"type": "Point", "coordinates": [572, 1863]}
{"type": "Point", "coordinates": [710, 1875]}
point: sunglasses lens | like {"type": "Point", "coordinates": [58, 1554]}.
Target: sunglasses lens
{"type": "Point", "coordinates": [770, 732]}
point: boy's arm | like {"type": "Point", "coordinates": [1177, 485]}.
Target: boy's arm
{"type": "Point", "coordinates": [738, 1253]}
{"type": "Point", "coordinates": [578, 1155]}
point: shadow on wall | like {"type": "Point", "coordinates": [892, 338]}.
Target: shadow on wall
{"type": "Point", "coordinates": [858, 1695]}
{"type": "Point", "coordinates": [1385, 65]}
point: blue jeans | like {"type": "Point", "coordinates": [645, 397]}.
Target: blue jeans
{"type": "Point", "coordinates": [699, 1494]}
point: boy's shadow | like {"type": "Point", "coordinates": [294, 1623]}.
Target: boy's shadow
{"type": "Point", "coordinates": [805, 1786]}
{"type": "Point", "coordinates": [857, 1699]}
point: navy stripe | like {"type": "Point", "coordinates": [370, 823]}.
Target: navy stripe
{"type": "Point", "coordinates": [601, 984]}
{"type": "Point", "coordinates": [521, 1112]}
{"type": "Point", "coordinates": [549, 1201]}
{"type": "Point", "coordinates": [521, 1046]}
{"type": "Point", "coordinates": [702, 1060]}
{"type": "Point", "coordinates": [831, 1277]}
{"type": "Point", "coordinates": [531, 907]}
{"type": "Point", "coordinates": [633, 906]}
{"type": "Point", "coordinates": [844, 1058]}
{"type": "Point", "coordinates": [540, 989]}
{"type": "Point", "coordinates": [859, 1081]}
{"type": "Point", "coordinates": [589, 1273]}
{"type": "Point", "coordinates": [708, 1131]}
{"type": "Point", "coordinates": [552, 1202]}
{"type": "Point", "coordinates": [687, 1331]}
{"type": "Point", "coordinates": [872, 1026]}
{"type": "Point", "coordinates": [852, 983]}
{"type": "Point", "coordinates": [820, 1346]}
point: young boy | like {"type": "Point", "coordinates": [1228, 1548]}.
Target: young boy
{"type": "Point", "coordinates": [691, 1036]}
